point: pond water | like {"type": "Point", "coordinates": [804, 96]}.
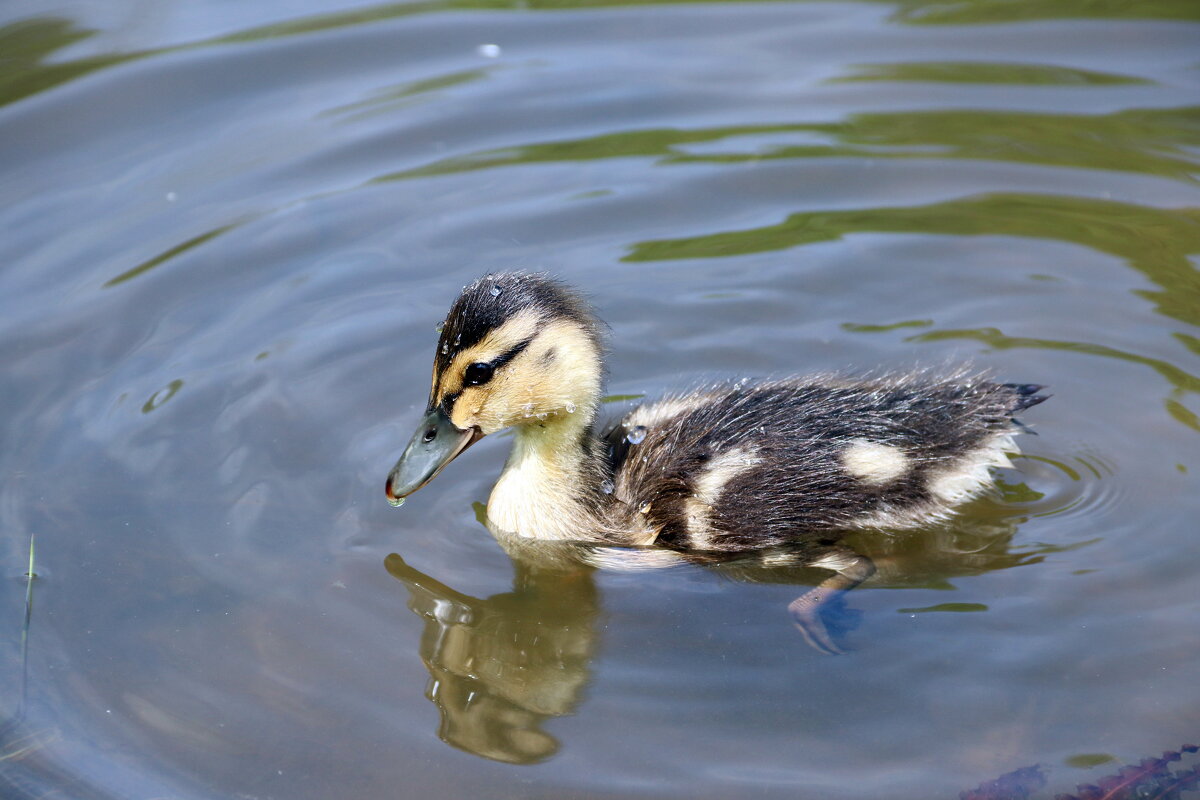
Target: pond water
{"type": "Point", "coordinates": [230, 229]}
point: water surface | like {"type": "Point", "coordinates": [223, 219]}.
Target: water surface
{"type": "Point", "coordinates": [229, 231]}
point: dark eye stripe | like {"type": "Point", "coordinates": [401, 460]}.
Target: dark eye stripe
{"type": "Point", "coordinates": [497, 362]}
{"type": "Point", "coordinates": [513, 352]}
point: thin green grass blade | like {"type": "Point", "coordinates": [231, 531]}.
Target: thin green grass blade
{"type": "Point", "coordinates": [29, 576]}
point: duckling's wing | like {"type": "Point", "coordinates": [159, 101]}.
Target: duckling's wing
{"type": "Point", "coordinates": [748, 467]}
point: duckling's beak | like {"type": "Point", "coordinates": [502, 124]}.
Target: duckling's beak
{"type": "Point", "coordinates": [435, 444]}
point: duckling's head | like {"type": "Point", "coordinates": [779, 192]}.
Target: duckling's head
{"type": "Point", "coordinates": [516, 349]}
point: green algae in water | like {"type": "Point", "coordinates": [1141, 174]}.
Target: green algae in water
{"type": "Point", "coordinates": [954, 607]}
{"type": "Point", "coordinates": [1017, 492]}
{"type": "Point", "coordinates": [853, 327]}
{"type": "Point", "coordinates": [162, 395]}
{"type": "Point", "coordinates": [1089, 760]}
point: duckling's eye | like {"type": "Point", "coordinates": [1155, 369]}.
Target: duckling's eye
{"type": "Point", "coordinates": [477, 374]}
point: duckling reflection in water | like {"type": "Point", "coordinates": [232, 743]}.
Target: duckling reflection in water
{"type": "Point", "coordinates": [727, 469]}
{"type": "Point", "coordinates": [500, 667]}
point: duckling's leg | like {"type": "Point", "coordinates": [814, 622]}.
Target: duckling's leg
{"type": "Point", "coordinates": [850, 569]}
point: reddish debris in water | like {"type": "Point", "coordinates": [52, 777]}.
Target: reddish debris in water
{"type": "Point", "coordinates": [1016, 785]}
{"type": "Point", "coordinates": [1151, 779]}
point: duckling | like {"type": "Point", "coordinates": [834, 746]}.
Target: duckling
{"type": "Point", "coordinates": [728, 468]}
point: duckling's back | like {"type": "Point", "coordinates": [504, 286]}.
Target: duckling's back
{"type": "Point", "coordinates": [743, 467]}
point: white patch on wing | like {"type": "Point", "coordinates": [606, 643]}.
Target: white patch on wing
{"type": "Point", "coordinates": [698, 508]}
{"type": "Point", "coordinates": [874, 463]}
{"type": "Point", "coordinates": [964, 478]}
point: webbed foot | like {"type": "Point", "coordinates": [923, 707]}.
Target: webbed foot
{"type": "Point", "coordinates": [850, 569]}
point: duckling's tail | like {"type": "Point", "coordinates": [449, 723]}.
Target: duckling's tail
{"type": "Point", "coordinates": [1027, 395]}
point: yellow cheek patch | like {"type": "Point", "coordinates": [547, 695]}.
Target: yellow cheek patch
{"type": "Point", "coordinates": [557, 374]}
{"type": "Point", "coordinates": [543, 368]}
{"type": "Point", "coordinates": [496, 343]}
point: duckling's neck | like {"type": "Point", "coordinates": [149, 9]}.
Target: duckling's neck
{"type": "Point", "coordinates": [548, 487]}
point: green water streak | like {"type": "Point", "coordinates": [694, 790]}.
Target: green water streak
{"type": "Point", "coordinates": [397, 96]}
{"type": "Point", "coordinates": [27, 44]}
{"type": "Point", "coordinates": [952, 607]}
{"type": "Point", "coordinates": [1156, 242]}
{"type": "Point", "coordinates": [984, 73]}
{"type": "Point", "coordinates": [1146, 141]}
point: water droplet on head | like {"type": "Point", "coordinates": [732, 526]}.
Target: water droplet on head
{"type": "Point", "coordinates": [494, 291]}
{"type": "Point", "coordinates": [606, 486]}
{"type": "Point", "coordinates": [445, 348]}
{"type": "Point", "coordinates": [438, 328]}
{"type": "Point", "coordinates": [636, 434]}
{"type": "Point", "coordinates": [396, 502]}
{"type": "Point", "coordinates": [570, 407]}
